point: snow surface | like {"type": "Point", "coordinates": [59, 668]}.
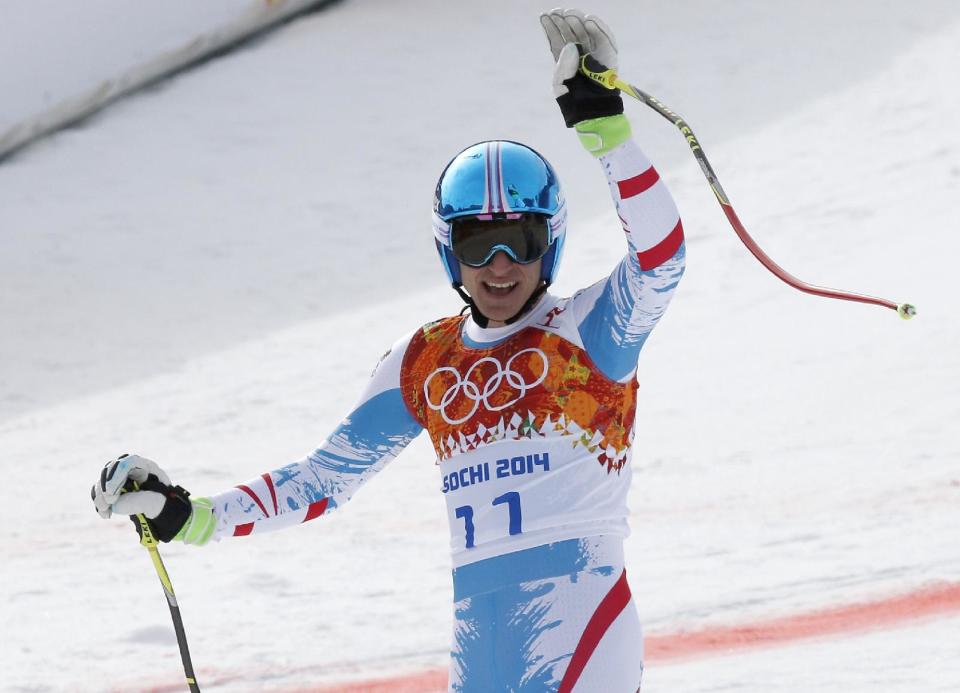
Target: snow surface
{"type": "Point", "coordinates": [206, 274]}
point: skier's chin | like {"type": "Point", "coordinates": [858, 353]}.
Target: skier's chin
{"type": "Point", "coordinates": [500, 308]}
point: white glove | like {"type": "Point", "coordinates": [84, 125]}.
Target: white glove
{"type": "Point", "coordinates": [108, 494]}
{"type": "Point", "coordinates": [567, 28]}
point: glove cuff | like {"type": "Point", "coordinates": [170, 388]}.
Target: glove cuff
{"type": "Point", "coordinates": [601, 135]}
{"type": "Point", "coordinates": [200, 526]}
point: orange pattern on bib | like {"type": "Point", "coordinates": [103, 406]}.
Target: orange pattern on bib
{"type": "Point", "coordinates": [533, 384]}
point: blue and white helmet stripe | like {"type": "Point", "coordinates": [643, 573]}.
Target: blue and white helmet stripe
{"type": "Point", "coordinates": [498, 177]}
{"type": "Point", "coordinates": [495, 199]}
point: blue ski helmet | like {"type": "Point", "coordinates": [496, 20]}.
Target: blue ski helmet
{"type": "Point", "coordinates": [495, 178]}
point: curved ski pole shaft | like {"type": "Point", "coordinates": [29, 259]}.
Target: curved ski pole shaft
{"type": "Point", "coordinates": [150, 543]}
{"type": "Point", "coordinates": [609, 79]}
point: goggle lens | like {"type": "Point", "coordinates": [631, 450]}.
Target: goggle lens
{"type": "Point", "coordinates": [525, 239]}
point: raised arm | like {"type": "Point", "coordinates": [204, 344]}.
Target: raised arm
{"type": "Point", "coordinates": [616, 315]}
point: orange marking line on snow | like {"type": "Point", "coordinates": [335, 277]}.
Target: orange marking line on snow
{"type": "Point", "coordinates": [432, 681]}
{"type": "Point", "coordinates": [684, 645]}
{"type": "Point", "coordinates": [852, 618]}
{"type": "Point", "coordinates": [934, 600]}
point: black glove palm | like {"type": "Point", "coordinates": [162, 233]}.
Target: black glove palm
{"type": "Point", "coordinates": [175, 513]}
{"type": "Point", "coordinates": [585, 99]}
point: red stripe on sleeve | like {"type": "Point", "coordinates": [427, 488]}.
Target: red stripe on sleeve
{"type": "Point", "coordinates": [608, 610]}
{"type": "Point", "coordinates": [316, 509]}
{"type": "Point", "coordinates": [243, 530]}
{"type": "Point", "coordinates": [255, 497]}
{"type": "Point", "coordinates": [638, 184]}
{"type": "Point", "coordinates": [662, 251]}
{"type": "Point", "coordinates": [273, 491]}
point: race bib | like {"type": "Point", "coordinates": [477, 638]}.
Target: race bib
{"type": "Point", "coordinates": [522, 493]}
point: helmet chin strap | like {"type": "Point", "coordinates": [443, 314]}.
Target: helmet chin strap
{"type": "Point", "coordinates": [482, 320]}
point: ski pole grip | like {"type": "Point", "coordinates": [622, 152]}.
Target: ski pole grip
{"type": "Point", "coordinates": [598, 72]}
{"type": "Point", "coordinates": [147, 538]}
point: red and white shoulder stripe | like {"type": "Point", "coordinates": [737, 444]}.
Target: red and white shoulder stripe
{"type": "Point", "coordinates": [646, 209]}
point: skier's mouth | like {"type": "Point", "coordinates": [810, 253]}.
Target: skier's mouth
{"type": "Point", "coordinates": [500, 288]}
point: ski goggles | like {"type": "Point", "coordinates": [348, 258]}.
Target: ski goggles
{"type": "Point", "coordinates": [525, 238]}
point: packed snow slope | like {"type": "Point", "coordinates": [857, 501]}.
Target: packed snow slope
{"type": "Point", "coordinates": [265, 188]}
{"type": "Point", "coordinates": [54, 51]}
{"type": "Point", "coordinates": [66, 61]}
{"type": "Point", "coordinates": [207, 273]}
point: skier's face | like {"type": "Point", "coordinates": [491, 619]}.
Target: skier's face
{"type": "Point", "coordinates": [501, 287]}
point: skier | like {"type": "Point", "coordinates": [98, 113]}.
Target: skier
{"type": "Point", "coordinates": [529, 402]}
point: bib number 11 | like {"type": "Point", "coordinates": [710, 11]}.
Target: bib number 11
{"type": "Point", "coordinates": [511, 499]}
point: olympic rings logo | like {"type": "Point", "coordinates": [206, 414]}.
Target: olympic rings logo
{"type": "Point", "coordinates": [474, 393]}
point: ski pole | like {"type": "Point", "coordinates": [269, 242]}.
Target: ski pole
{"type": "Point", "coordinates": [608, 78]}
{"type": "Point", "coordinates": [150, 542]}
